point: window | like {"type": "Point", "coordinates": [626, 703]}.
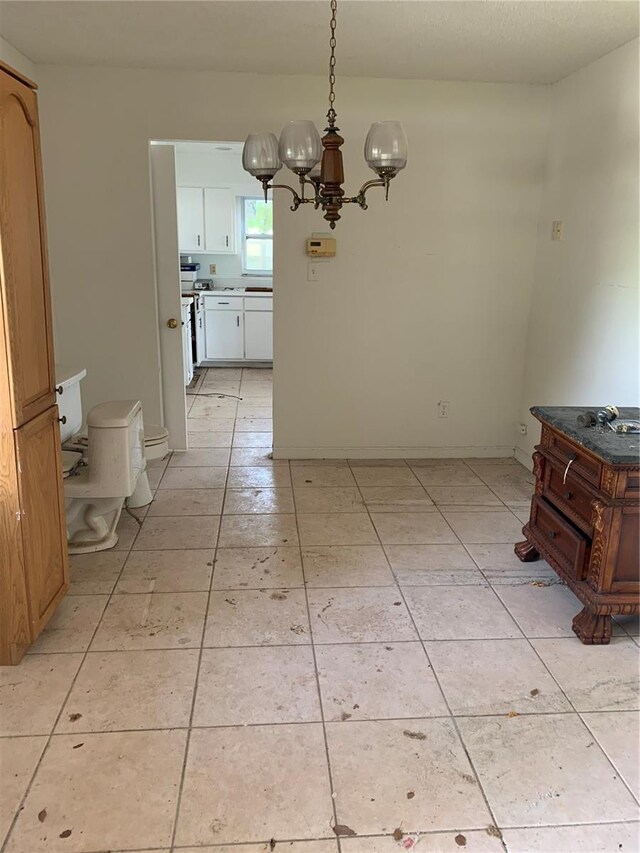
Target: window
{"type": "Point", "coordinates": [257, 236]}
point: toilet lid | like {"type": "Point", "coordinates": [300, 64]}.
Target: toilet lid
{"type": "Point", "coordinates": [69, 461]}
{"type": "Point", "coordinates": [155, 434]}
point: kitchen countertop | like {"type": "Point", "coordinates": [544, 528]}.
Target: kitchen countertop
{"type": "Point", "coordinates": [234, 292]}
{"type": "Point", "coordinates": [614, 448]}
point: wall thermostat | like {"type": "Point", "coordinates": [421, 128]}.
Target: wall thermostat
{"type": "Point", "coordinates": [321, 247]}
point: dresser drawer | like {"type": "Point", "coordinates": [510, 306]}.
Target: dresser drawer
{"type": "Point", "coordinates": [555, 532]}
{"type": "Point", "coordinates": [570, 496]}
{"type": "Point", "coordinates": [581, 462]}
{"type": "Point", "coordinates": [222, 303]}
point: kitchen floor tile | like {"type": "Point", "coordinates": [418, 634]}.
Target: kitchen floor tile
{"type": "Point", "coordinates": [463, 495]}
{"type": "Point", "coordinates": [326, 846]}
{"type": "Point", "coordinates": [253, 439]}
{"type": "Point", "coordinates": [257, 568]}
{"type": "Point", "coordinates": [257, 500]}
{"type": "Point", "coordinates": [254, 425]}
{"type": "Point", "coordinates": [545, 611]}
{"type": "Point", "coordinates": [257, 530]}
{"type": "Point", "coordinates": [459, 613]}
{"type": "Point", "coordinates": [18, 759]}
{"type": "Point", "coordinates": [347, 528]}
{"type": "Point", "coordinates": [594, 838]}
{"type": "Point", "coordinates": [176, 533]}
{"type": "Point", "coordinates": [71, 627]}
{"type": "Point", "coordinates": [544, 769]}
{"type": "Point", "coordinates": [346, 565]}
{"type": "Point", "coordinates": [271, 476]}
{"type": "Point", "coordinates": [475, 841]}
{"type": "Point", "coordinates": [95, 574]}
{"type": "Point", "coordinates": [418, 565]}
{"type": "Point", "coordinates": [316, 475]}
{"type": "Point", "coordinates": [494, 677]}
{"type": "Point", "coordinates": [257, 618]}
{"type": "Point", "coordinates": [376, 475]}
{"type": "Point", "coordinates": [503, 475]}
{"type": "Point", "coordinates": [328, 499]}
{"type": "Point", "coordinates": [129, 803]}
{"type": "Point", "coordinates": [359, 615]}
{"type": "Point", "coordinates": [412, 528]}
{"type": "Point", "coordinates": [128, 528]}
{"type": "Point", "coordinates": [281, 772]}
{"type": "Point", "coordinates": [376, 765]}
{"type": "Point", "coordinates": [485, 527]}
{"type": "Point", "coordinates": [441, 475]}
{"type": "Point", "coordinates": [595, 678]}
{"type": "Point", "coordinates": [200, 458]}
{"type": "Point", "coordinates": [33, 692]}
{"type": "Point", "coordinates": [239, 687]}
{"type": "Point", "coordinates": [206, 425]}
{"type": "Point", "coordinates": [194, 478]}
{"type": "Point", "coordinates": [256, 457]}
{"type": "Point", "coordinates": [396, 499]}
{"type": "Point", "coordinates": [187, 502]}
{"type": "Point", "coordinates": [618, 733]}
{"type": "Point", "coordinates": [158, 621]}
{"type": "Point", "coordinates": [166, 571]}
{"type": "Point", "coordinates": [131, 690]}
{"type": "Point", "coordinates": [500, 565]}
{"type": "Point", "coordinates": [371, 681]}
{"type": "Point", "coordinates": [515, 494]}
{"type": "Point", "coordinates": [209, 438]}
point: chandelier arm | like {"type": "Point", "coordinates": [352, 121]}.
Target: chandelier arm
{"type": "Point", "coordinates": [361, 198]}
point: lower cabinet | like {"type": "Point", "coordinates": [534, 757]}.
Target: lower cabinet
{"type": "Point", "coordinates": [224, 334]}
{"type": "Point", "coordinates": [258, 335]}
{"type": "Point", "coordinates": [44, 534]}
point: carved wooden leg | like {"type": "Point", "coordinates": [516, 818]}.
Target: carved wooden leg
{"type": "Point", "coordinates": [593, 629]}
{"type": "Point", "coordinates": [526, 552]}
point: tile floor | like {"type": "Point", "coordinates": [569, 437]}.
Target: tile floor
{"type": "Point", "coordinates": [283, 647]}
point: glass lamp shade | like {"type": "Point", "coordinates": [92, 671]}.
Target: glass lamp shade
{"type": "Point", "coordinates": [385, 148]}
{"type": "Point", "coordinates": [300, 146]}
{"type": "Point", "coordinates": [260, 155]}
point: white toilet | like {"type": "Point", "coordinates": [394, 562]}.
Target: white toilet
{"type": "Point", "coordinates": [99, 480]}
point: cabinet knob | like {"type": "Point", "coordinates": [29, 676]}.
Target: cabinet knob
{"type": "Point", "coordinates": [568, 495]}
{"type": "Point", "coordinates": [62, 420]}
{"type": "Point", "coordinates": [552, 534]}
{"type": "Point", "coordinates": [172, 323]}
{"type": "Point", "coordinates": [59, 389]}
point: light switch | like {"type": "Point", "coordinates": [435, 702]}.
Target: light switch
{"type": "Point", "coordinates": [557, 227]}
{"type": "Point", "coordinates": [312, 271]}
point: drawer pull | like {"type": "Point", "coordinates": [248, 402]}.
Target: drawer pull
{"type": "Point", "coordinates": [572, 459]}
{"type": "Point", "coordinates": [552, 534]}
{"type": "Point", "coordinates": [62, 420]}
{"type": "Point", "coordinates": [223, 303]}
{"type": "Point", "coordinates": [568, 495]}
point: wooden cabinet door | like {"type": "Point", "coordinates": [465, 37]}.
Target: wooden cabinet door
{"type": "Point", "coordinates": [258, 335]}
{"type": "Point", "coordinates": [224, 334]}
{"type": "Point", "coordinates": [25, 283]}
{"type": "Point", "coordinates": [190, 219]}
{"type": "Point", "coordinates": [42, 515]}
{"type": "Point", "coordinates": [219, 220]}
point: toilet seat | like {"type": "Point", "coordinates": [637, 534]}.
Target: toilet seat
{"type": "Point", "coordinates": [70, 459]}
{"type": "Point", "coordinates": [156, 441]}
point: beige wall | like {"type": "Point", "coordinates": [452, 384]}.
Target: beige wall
{"type": "Point", "coordinates": [582, 345]}
{"type": "Point", "coordinates": [17, 60]}
{"type": "Point", "coordinates": [427, 299]}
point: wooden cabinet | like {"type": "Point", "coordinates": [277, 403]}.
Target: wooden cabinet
{"type": "Point", "coordinates": [224, 334]}
{"type": "Point", "coordinates": [190, 219]}
{"type": "Point", "coordinates": [258, 335]}
{"type": "Point", "coordinates": [206, 220]}
{"type": "Point", "coordinates": [219, 220]}
{"type": "Point", "coordinates": [33, 547]}
{"type": "Point", "coordinates": [585, 517]}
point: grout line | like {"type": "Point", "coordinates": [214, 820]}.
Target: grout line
{"type": "Point", "coordinates": [317, 678]}
{"type": "Point", "coordinates": [442, 693]}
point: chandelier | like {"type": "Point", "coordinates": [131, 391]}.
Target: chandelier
{"type": "Point", "coordinates": [318, 162]}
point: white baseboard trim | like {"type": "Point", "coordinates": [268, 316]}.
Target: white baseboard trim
{"type": "Point", "coordinates": [523, 458]}
{"type": "Point", "coordinates": [492, 452]}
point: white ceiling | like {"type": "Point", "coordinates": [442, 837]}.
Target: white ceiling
{"type": "Point", "coordinates": [532, 41]}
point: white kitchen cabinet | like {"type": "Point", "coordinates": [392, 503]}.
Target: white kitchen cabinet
{"type": "Point", "coordinates": [258, 335]}
{"type": "Point", "coordinates": [187, 346]}
{"type": "Point", "coordinates": [191, 231]}
{"type": "Point", "coordinates": [199, 333]}
{"type": "Point", "coordinates": [219, 220]}
{"type": "Point", "coordinates": [224, 334]}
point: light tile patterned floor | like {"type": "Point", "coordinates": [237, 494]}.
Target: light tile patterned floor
{"type": "Point", "coordinates": [283, 647]}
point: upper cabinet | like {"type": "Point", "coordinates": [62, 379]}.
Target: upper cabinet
{"type": "Point", "coordinates": [219, 220]}
{"type": "Point", "coordinates": [24, 254]}
{"type": "Point", "coordinates": [206, 220]}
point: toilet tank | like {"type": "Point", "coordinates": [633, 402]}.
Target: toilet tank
{"type": "Point", "coordinates": [116, 447]}
{"type": "Point", "coordinates": [68, 399]}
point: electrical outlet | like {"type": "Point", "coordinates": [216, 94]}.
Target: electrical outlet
{"type": "Point", "coordinates": [523, 429]}
{"type": "Point", "coordinates": [212, 269]}
{"type": "Point", "coordinates": [443, 409]}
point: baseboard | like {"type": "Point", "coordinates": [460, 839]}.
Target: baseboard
{"type": "Point", "coordinates": [492, 452]}
{"type": "Point", "coordinates": [523, 458]}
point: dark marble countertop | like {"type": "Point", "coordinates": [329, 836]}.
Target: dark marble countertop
{"type": "Point", "coordinates": [614, 448]}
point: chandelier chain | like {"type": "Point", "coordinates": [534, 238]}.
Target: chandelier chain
{"type": "Point", "coordinates": [331, 115]}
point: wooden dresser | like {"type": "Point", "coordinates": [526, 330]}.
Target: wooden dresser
{"type": "Point", "coordinates": [33, 540]}
{"type": "Point", "coordinates": [585, 516]}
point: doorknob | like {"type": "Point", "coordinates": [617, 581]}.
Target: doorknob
{"type": "Point", "coordinates": [172, 323]}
